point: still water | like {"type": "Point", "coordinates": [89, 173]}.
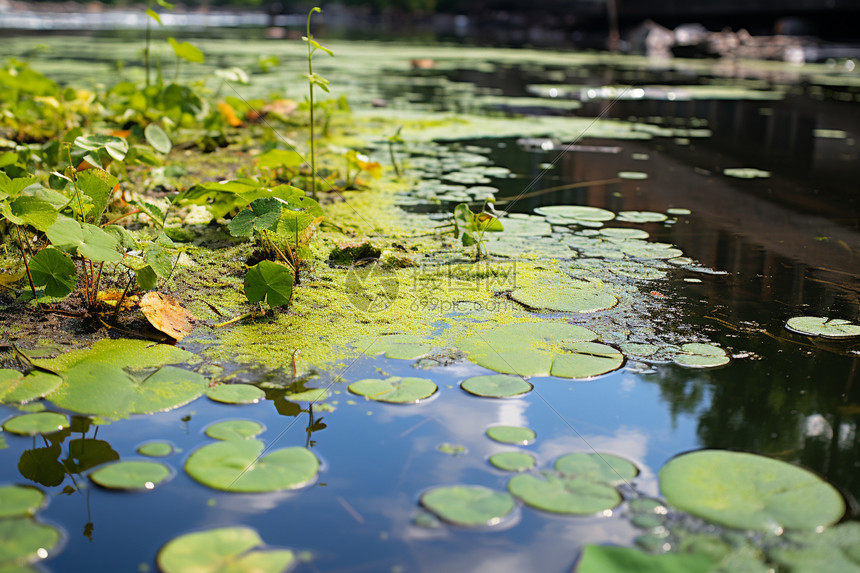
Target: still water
{"type": "Point", "coordinates": [788, 245]}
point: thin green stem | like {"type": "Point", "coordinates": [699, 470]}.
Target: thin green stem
{"type": "Point", "coordinates": [146, 52]}
{"type": "Point", "coordinates": [311, 102]}
{"type": "Point", "coordinates": [24, 258]}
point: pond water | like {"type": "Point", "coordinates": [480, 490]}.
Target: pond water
{"type": "Point", "coordinates": [785, 245]}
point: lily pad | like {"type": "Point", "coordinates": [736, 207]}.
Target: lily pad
{"type": "Point", "coordinates": [131, 475]}
{"type": "Point", "coordinates": [24, 540]}
{"type": "Point", "coordinates": [395, 389]}
{"type": "Point", "coordinates": [452, 449]}
{"type": "Point", "coordinates": [310, 395]}
{"type": "Point", "coordinates": [838, 547]}
{"type": "Point", "coordinates": [640, 217]}
{"type": "Point", "coordinates": [598, 559]}
{"type": "Point", "coordinates": [18, 500]}
{"type": "Point", "coordinates": [100, 389]}
{"type": "Point", "coordinates": [496, 386]}
{"type": "Point", "coordinates": [468, 506]}
{"type": "Point", "coordinates": [697, 355]}
{"type": "Point", "coordinates": [398, 346]}
{"type": "Point", "coordinates": [604, 468]}
{"type": "Point", "coordinates": [121, 353]}
{"type": "Point", "coordinates": [564, 297]}
{"type": "Point", "coordinates": [632, 175]}
{"type": "Point", "coordinates": [518, 435]}
{"type": "Point", "coordinates": [573, 214]}
{"type": "Point", "coordinates": [749, 491]}
{"type": "Point", "coordinates": [513, 461]}
{"type": "Point", "coordinates": [560, 494]}
{"type": "Point", "coordinates": [18, 388]}
{"type": "Point", "coordinates": [586, 360]}
{"type": "Point", "coordinates": [746, 172]}
{"type": "Point", "coordinates": [39, 423]}
{"type": "Point", "coordinates": [235, 394]}
{"type": "Point", "coordinates": [156, 449]}
{"type": "Point", "coordinates": [234, 430]}
{"type": "Point", "coordinates": [222, 550]}
{"type": "Point", "coordinates": [237, 466]}
{"type": "Point", "coordinates": [823, 326]}
{"type": "Point", "coordinates": [525, 349]}
{"type": "Point", "coordinates": [624, 233]}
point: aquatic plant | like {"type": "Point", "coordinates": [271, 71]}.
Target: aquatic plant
{"type": "Point", "coordinates": [314, 80]}
{"type": "Point", "coordinates": [470, 227]}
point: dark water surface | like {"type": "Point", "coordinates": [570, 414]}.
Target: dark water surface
{"type": "Point", "coordinates": [789, 243]}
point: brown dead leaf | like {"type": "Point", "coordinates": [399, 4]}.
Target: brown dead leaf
{"type": "Point", "coordinates": [166, 315]}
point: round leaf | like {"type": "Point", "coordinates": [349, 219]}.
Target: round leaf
{"type": "Point", "coordinates": [235, 394]}
{"type": "Point", "coordinates": [156, 449]}
{"type": "Point", "coordinates": [697, 355]}
{"type": "Point", "coordinates": [496, 386]}
{"type": "Point", "coordinates": [16, 388]}
{"type": "Point", "coordinates": [221, 550]}
{"type": "Point", "coordinates": [270, 282]}
{"type": "Point", "coordinates": [55, 271]}
{"type": "Point", "coordinates": [556, 494]}
{"type": "Point", "coordinates": [513, 461]}
{"type": "Point", "coordinates": [131, 475]}
{"type": "Point", "coordinates": [512, 435]}
{"type": "Point", "coordinates": [234, 430]}
{"type": "Point", "coordinates": [468, 506]}
{"type": "Point", "coordinates": [39, 423]}
{"type": "Point", "coordinates": [749, 491]}
{"type": "Point", "coordinates": [586, 359]}
{"type": "Point", "coordinates": [17, 500]}
{"type": "Point", "coordinates": [236, 465]}
{"type": "Point", "coordinates": [823, 326]}
{"type": "Point", "coordinates": [22, 539]}
{"type": "Point", "coordinates": [597, 559]}
{"type": "Point", "coordinates": [395, 389]}
{"type": "Point", "coordinates": [604, 468]}
{"type": "Point", "coordinates": [157, 138]}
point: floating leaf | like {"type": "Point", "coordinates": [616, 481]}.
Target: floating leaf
{"type": "Point", "coordinates": [398, 346]}
{"type": "Point", "coordinates": [524, 349]}
{"type": "Point", "coordinates": [234, 430]}
{"type": "Point", "coordinates": [120, 353]}
{"type": "Point", "coordinates": [496, 386]}
{"type": "Point", "coordinates": [55, 271]}
{"type": "Point", "coordinates": [746, 172]}
{"type": "Point", "coordinates": [823, 326]}
{"type": "Point", "coordinates": [564, 297]}
{"type": "Point", "coordinates": [39, 423]}
{"type": "Point", "coordinates": [18, 500]}
{"type": "Point", "coordinates": [747, 491]}
{"type": "Point", "coordinates": [270, 282]}
{"type": "Point", "coordinates": [586, 360]}
{"type": "Point", "coordinates": [166, 315]}
{"type": "Point", "coordinates": [559, 494]}
{"type": "Point", "coordinates": [156, 449]}
{"type": "Point", "coordinates": [311, 395]}
{"type": "Point", "coordinates": [24, 540]}
{"type": "Point", "coordinates": [576, 213]}
{"type": "Point", "coordinates": [518, 435]}
{"type": "Point", "coordinates": [18, 388]}
{"type": "Point", "coordinates": [640, 217]}
{"type": "Point", "coordinates": [395, 389]}
{"type": "Point", "coordinates": [222, 550]}
{"type": "Point", "coordinates": [236, 465]}
{"type": "Point", "coordinates": [157, 138]}
{"type": "Point", "coordinates": [87, 453]}
{"type": "Point", "coordinates": [513, 461]}
{"type": "Point", "coordinates": [838, 547]}
{"type": "Point", "coordinates": [131, 475]}
{"type": "Point", "coordinates": [632, 175]}
{"type": "Point", "coordinates": [604, 468]}
{"type": "Point", "coordinates": [697, 355]}
{"type": "Point", "coordinates": [597, 559]}
{"type": "Point", "coordinates": [468, 506]}
{"type": "Point", "coordinates": [235, 394]}
{"type": "Point", "coordinates": [452, 449]}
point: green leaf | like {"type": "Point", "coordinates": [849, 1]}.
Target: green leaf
{"type": "Point", "coordinates": [317, 45]}
{"type": "Point", "coordinates": [39, 423]}
{"type": "Point", "coordinates": [24, 540]}
{"type": "Point", "coordinates": [131, 475]}
{"type": "Point", "coordinates": [512, 461]}
{"type": "Point", "coordinates": [270, 282]}
{"type": "Point", "coordinates": [115, 147]}
{"type": "Point", "coordinates": [146, 278]}
{"type": "Point", "coordinates": [157, 138]}
{"type": "Point", "coordinates": [235, 394]}
{"type": "Point", "coordinates": [187, 51]}
{"type": "Point", "coordinates": [18, 388]}
{"type": "Point", "coordinates": [26, 210]}
{"type": "Point", "coordinates": [261, 214]}
{"type": "Point", "coordinates": [604, 468]}
{"type": "Point", "coordinates": [156, 449]}
{"type": "Point", "coordinates": [570, 496]}
{"type": "Point", "coordinates": [597, 559]}
{"type": "Point", "coordinates": [222, 550]}
{"type": "Point", "coordinates": [395, 389]}
{"type": "Point", "coordinates": [747, 491]}
{"type": "Point", "coordinates": [518, 435]}
{"type": "Point", "coordinates": [496, 386]}
{"type": "Point", "coordinates": [13, 187]}
{"type": "Point", "coordinates": [159, 260]}
{"type": "Point", "coordinates": [164, 4]}
{"type": "Point", "coordinates": [97, 184]}
{"type": "Point", "coordinates": [55, 271]}
{"type": "Point", "coordinates": [234, 430]}
{"type": "Point", "coordinates": [583, 360]}
{"type": "Point", "coordinates": [87, 240]}
{"type": "Point", "coordinates": [154, 15]}
{"type": "Point", "coordinates": [19, 501]}
{"type": "Point", "coordinates": [277, 158]}
{"type": "Point", "coordinates": [822, 326]}
{"type": "Point", "coordinates": [469, 506]}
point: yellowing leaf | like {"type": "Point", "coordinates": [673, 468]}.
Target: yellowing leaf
{"type": "Point", "coordinates": [229, 114]}
{"type": "Point", "coordinates": [166, 315]}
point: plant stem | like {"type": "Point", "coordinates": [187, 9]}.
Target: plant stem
{"type": "Point", "coordinates": [311, 100]}
{"type": "Point", "coordinates": [146, 52]}
{"type": "Point", "coordinates": [393, 159]}
{"type": "Point", "coordinates": [236, 319]}
{"type": "Point", "coordinates": [24, 258]}
{"type": "Point", "coordinates": [122, 298]}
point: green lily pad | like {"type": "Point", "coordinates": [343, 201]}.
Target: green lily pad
{"type": "Point", "coordinates": [838, 547]}
{"type": "Point", "coordinates": [749, 491]}
{"type": "Point", "coordinates": [823, 326]}
{"type": "Point", "coordinates": [235, 394]}
{"type": "Point", "coordinates": [39, 423]}
{"type": "Point", "coordinates": [513, 461]}
{"type": "Point", "coordinates": [496, 386]}
{"type": "Point", "coordinates": [525, 349]}
{"type": "Point", "coordinates": [234, 430]}
{"type": "Point", "coordinates": [228, 549]}
{"type": "Point", "coordinates": [640, 217]}
{"type": "Point", "coordinates": [598, 559]}
{"type": "Point", "coordinates": [398, 346]}
{"type": "Point", "coordinates": [24, 540]}
{"type": "Point", "coordinates": [632, 175]}
{"type": "Point", "coordinates": [559, 494]}
{"type": "Point", "coordinates": [575, 214]}
{"type": "Point", "coordinates": [452, 449]}
{"type": "Point", "coordinates": [586, 360]}
{"type": "Point", "coordinates": [648, 250]}
{"type": "Point", "coordinates": [237, 466]}
{"type": "Point", "coordinates": [468, 506]}
{"type": "Point", "coordinates": [17, 388]}
{"type": "Point", "coordinates": [604, 468]}
{"type": "Point", "coordinates": [120, 353]}
{"type": "Point", "coordinates": [100, 389]}
{"type": "Point", "coordinates": [18, 500]}
{"type": "Point", "coordinates": [697, 355]}
{"type": "Point", "coordinates": [624, 233]}
{"type": "Point", "coordinates": [156, 449]}
{"type": "Point", "coordinates": [564, 297]}
{"type": "Point", "coordinates": [518, 435]}
{"type": "Point", "coordinates": [395, 389]}
{"type": "Point", "coordinates": [131, 475]}
{"type": "Point", "coordinates": [310, 395]}
{"type": "Point", "coordinates": [745, 172]}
